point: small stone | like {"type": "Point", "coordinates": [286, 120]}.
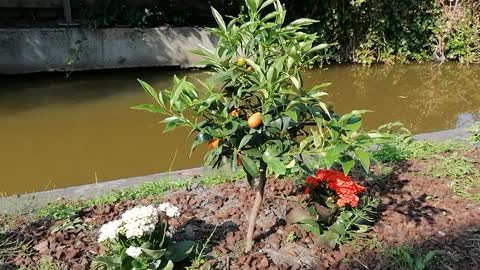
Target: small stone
{"type": "Point", "coordinates": [264, 262]}
{"type": "Point", "coordinates": [441, 233]}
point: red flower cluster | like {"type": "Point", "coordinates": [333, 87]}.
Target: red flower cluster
{"type": "Point", "coordinates": [343, 185]}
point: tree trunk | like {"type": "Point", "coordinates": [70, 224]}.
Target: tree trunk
{"type": "Point", "coordinates": [256, 206]}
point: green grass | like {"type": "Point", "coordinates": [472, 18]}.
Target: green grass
{"type": "Point", "coordinates": [467, 187]}
{"type": "Point", "coordinates": [454, 166]}
{"type": "Point", "coordinates": [406, 149]}
{"type": "Point", "coordinates": [68, 210]}
{"type": "Point", "coordinates": [45, 264]}
{"type": "Point", "coordinates": [475, 130]}
{"type": "Point", "coordinates": [405, 258]}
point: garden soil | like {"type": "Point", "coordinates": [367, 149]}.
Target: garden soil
{"type": "Point", "coordinates": [416, 210]}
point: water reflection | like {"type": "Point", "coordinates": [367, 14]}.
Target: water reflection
{"type": "Point", "coordinates": [424, 97]}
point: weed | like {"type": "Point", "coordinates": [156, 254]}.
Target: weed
{"type": "Point", "coordinates": [69, 224]}
{"type": "Point", "coordinates": [404, 257]}
{"type": "Point", "coordinates": [291, 237]}
{"type": "Point", "coordinates": [453, 166]}
{"type": "Point", "coordinates": [9, 246]}
{"type": "Point", "coordinates": [467, 187]}
{"type": "Point", "coordinates": [384, 173]}
{"type": "Point", "coordinates": [46, 264]}
{"type": "Point", "coordinates": [200, 262]}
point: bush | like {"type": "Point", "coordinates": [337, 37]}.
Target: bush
{"type": "Point", "coordinates": [254, 112]}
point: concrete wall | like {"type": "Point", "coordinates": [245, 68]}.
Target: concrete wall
{"type": "Point", "coordinates": [38, 50]}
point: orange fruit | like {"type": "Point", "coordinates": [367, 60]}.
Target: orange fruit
{"type": "Point", "coordinates": [213, 143]}
{"type": "Point", "coordinates": [255, 120]}
{"type": "Point", "coordinates": [241, 61]}
{"type": "Point", "coordinates": [235, 112]}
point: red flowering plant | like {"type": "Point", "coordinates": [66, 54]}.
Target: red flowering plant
{"type": "Point", "coordinates": [328, 185]}
{"type": "Point", "coordinates": [334, 211]}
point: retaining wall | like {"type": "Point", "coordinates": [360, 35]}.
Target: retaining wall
{"type": "Point", "coordinates": [73, 49]}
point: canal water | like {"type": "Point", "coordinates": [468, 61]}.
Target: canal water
{"type": "Point", "coordinates": [58, 131]}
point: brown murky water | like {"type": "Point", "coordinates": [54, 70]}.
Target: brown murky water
{"type": "Point", "coordinates": [57, 132]}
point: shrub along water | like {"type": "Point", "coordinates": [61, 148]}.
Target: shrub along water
{"type": "Point", "coordinates": [365, 31]}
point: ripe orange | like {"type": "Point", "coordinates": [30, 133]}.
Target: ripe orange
{"type": "Point", "coordinates": [241, 61]}
{"type": "Point", "coordinates": [235, 112]}
{"type": "Point", "coordinates": [255, 120]}
{"type": "Point", "coordinates": [213, 143]}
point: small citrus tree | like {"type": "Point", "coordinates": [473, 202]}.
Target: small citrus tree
{"type": "Point", "coordinates": [253, 111]}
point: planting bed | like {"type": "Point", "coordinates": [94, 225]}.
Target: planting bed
{"type": "Point", "coordinates": [416, 209]}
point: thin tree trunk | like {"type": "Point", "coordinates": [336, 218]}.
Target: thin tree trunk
{"type": "Point", "coordinates": [256, 206]}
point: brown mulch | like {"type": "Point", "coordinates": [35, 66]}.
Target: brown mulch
{"type": "Point", "coordinates": [415, 209]}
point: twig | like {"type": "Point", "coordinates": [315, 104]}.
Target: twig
{"type": "Point", "coordinates": [366, 267]}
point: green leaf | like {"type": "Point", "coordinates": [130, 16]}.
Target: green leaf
{"type": "Point", "coordinates": [169, 266]}
{"type": "Point", "coordinates": [219, 19]}
{"type": "Point", "coordinates": [295, 82]}
{"type": "Point", "coordinates": [179, 251]}
{"type": "Point", "coordinates": [199, 139]}
{"type": "Point", "coordinates": [269, 154]}
{"type": "Point", "coordinates": [172, 122]}
{"type": "Point", "coordinates": [277, 166]}
{"type": "Point", "coordinates": [330, 157]}
{"type": "Point", "coordinates": [364, 158]}
{"type": "Point", "coordinates": [318, 47]}
{"type": "Point", "coordinates": [244, 141]}
{"type": "Point", "coordinates": [150, 108]}
{"type": "Point", "coordinates": [303, 22]}
{"type": "Point", "coordinates": [154, 254]}
{"type": "Point", "coordinates": [149, 90]}
{"type": "Point", "coordinates": [292, 114]}
{"type": "Point", "coordinates": [249, 165]}
{"type": "Point", "coordinates": [347, 166]}
{"type": "Point", "coordinates": [329, 238]}
{"type": "Point", "coordinates": [110, 261]}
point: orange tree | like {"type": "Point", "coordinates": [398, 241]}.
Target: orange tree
{"type": "Point", "coordinates": [253, 110]}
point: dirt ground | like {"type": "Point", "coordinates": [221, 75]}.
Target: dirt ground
{"type": "Point", "coordinates": [416, 209]}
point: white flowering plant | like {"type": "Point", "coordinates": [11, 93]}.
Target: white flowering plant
{"type": "Point", "coordinates": [141, 240]}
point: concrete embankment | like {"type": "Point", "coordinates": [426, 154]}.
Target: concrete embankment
{"type": "Point", "coordinates": [73, 49]}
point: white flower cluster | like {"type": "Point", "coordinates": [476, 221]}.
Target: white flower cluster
{"type": "Point", "coordinates": [134, 252]}
{"type": "Point", "coordinates": [169, 210]}
{"type": "Point", "coordinates": [136, 222]}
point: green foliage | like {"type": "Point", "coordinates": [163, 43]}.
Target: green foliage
{"type": "Point", "coordinates": [404, 258]}
{"type": "Point", "coordinates": [257, 72]}
{"type": "Point", "coordinates": [453, 165]}
{"type": "Point", "coordinates": [344, 226]}
{"type": "Point", "coordinates": [407, 148]}
{"type": "Point", "coordinates": [475, 131]}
